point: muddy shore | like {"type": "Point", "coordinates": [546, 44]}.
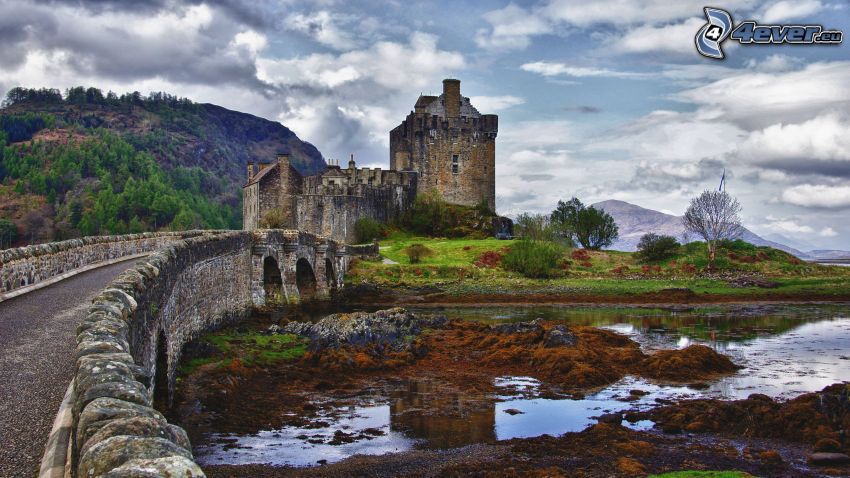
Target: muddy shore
{"type": "Point", "coordinates": [466, 357]}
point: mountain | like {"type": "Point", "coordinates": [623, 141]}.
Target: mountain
{"type": "Point", "coordinates": [88, 163]}
{"type": "Point", "coordinates": [829, 254]}
{"type": "Point", "coordinates": [634, 221]}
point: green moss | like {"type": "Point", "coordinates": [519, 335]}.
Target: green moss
{"type": "Point", "coordinates": [251, 348]}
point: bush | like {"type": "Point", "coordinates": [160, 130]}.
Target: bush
{"type": "Point", "coordinates": [430, 215]}
{"type": "Point", "coordinates": [654, 247]}
{"type": "Point", "coordinates": [272, 219]}
{"type": "Point", "coordinates": [536, 259]}
{"type": "Point", "coordinates": [367, 229]}
{"type": "Point", "coordinates": [417, 252]}
{"type": "Point", "coordinates": [534, 227]}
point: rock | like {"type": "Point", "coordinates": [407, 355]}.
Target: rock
{"type": "Point", "coordinates": [517, 327]}
{"type": "Point", "coordinates": [559, 336]}
{"type": "Point", "coordinates": [273, 329]}
{"type": "Point", "coordinates": [118, 450]}
{"type": "Point", "coordinates": [826, 459]}
{"type": "Point", "coordinates": [104, 345]}
{"type": "Point", "coordinates": [827, 445]}
{"type": "Point", "coordinates": [391, 326]}
{"type": "Point", "coordinates": [132, 391]}
{"type": "Point", "coordinates": [101, 411]}
{"type": "Point", "coordinates": [513, 411]}
{"type": "Point", "coordinates": [612, 418]}
{"type": "Point", "coordinates": [141, 427]}
{"type": "Point", "coordinates": [168, 467]}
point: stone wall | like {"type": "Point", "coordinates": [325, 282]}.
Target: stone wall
{"type": "Point", "coordinates": [334, 215]}
{"type": "Point", "coordinates": [143, 319]}
{"type": "Point", "coordinates": [27, 266]}
{"type": "Point", "coordinates": [173, 295]}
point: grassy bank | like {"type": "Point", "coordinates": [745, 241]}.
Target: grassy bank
{"type": "Point", "coordinates": [470, 267]}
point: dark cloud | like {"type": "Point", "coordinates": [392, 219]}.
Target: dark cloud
{"type": "Point", "coordinates": [18, 25]}
{"type": "Point", "coordinates": [205, 56]}
{"type": "Point", "coordinates": [246, 12]}
{"type": "Point", "coordinates": [809, 167]}
{"type": "Point", "coordinates": [665, 177]}
{"type": "Point", "coordinates": [536, 177]}
{"type": "Point", "coordinates": [583, 109]}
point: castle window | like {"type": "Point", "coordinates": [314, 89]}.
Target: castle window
{"type": "Point", "coordinates": [454, 163]}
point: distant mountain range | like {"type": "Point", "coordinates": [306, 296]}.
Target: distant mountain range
{"type": "Point", "coordinates": [635, 221]}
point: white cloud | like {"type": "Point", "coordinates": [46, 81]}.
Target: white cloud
{"type": "Point", "coordinates": [828, 232]}
{"type": "Point", "coordinates": [758, 100]}
{"type": "Point", "coordinates": [322, 27]}
{"type": "Point", "coordinates": [676, 38]}
{"type": "Point", "coordinates": [510, 28]}
{"type": "Point", "coordinates": [818, 195]}
{"type": "Point", "coordinates": [790, 10]}
{"type": "Point", "coordinates": [817, 146]}
{"type": "Point", "coordinates": [350, 101]}
{"type": "Point", "coordinates": [548, 69]}
{"type": "Point", "coordinates": [776, 63]}
{"type": "Point", "coordinates": [492, 104]}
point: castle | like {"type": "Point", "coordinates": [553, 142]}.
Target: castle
{"type": "Point", "coordinates": [443, 145]}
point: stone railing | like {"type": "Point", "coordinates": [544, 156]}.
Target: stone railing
{"type": "Point", "coordinates": [26, 268]}
{"type": "Point", "coordinates": [139, 322]}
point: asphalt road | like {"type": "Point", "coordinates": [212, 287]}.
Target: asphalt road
{"type": "Point", "coordinates": [37, 361]}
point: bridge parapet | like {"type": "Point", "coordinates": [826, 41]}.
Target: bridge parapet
{"type": "Point", "coordinates": [26, 268]}
{"type": "Point", "coordinates": [129, 344]}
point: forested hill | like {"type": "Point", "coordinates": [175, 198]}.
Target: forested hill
{"type": "Point", "coordinates": [85, 162]}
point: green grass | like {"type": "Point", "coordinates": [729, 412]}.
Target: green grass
{"type": "Point", "coordinates": [703, 474]}
{"type": "Point", "coordinates": [453, 268]}
{"type": "Point", "coordinates": [251, 348]}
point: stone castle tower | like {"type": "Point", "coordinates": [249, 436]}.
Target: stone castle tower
{"type": "Point", "coordinates": [451, 145]}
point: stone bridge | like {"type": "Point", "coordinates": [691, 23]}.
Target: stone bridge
{"type": "Point", "coordinates": [131, 340]}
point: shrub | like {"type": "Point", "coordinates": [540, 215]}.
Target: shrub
{"type": "Point", "coordinates": [654, 247]}
{"type": "Point", "coordinates": [416, 252]}
{"type": "Point", "coordinates": [273, 219]}
{"type": "Point", "coordinates": [489, 259]}
{"type": "Point", "coordinates": [580, 255]}
{"type": "Point", "coordinates": [536, 259]}
{"type": "Point", "coordinates": [367, 229]}
{"type": "Point", "coordinates": [534, 227]}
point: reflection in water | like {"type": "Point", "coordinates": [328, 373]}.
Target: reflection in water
{"type": "Point", "coordinates": [786, 352]}
{"type": "Point", "coordinates": [445, 419]}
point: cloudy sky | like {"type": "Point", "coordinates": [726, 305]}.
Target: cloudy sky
{"type": "Point", "coordinates": [591, 105]}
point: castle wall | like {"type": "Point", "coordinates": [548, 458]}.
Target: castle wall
{"type": "Point", "coordinates": [334, 215]}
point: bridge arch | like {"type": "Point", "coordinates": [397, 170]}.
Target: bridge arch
{"type": "Point", "coordinates": [272, 277]}
{"type": "Point", "coordinates": [161, 393]}
{"type": "Point", "coordinates": [305, 279]}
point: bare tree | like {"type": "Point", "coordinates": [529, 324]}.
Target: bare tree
{"type": "Point", "coordinates": [713, 215]}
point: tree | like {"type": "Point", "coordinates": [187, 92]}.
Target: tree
{"type": "Point", "coordinates": [367, 229]}
{"type": "Point", "coordinates": [714, 216]}
{"type": "Point", "coordinates": [654, 247]}
{"type": "Point", "coordinates": [535, 227]}
{"type": "Point", "coordinates": [592, 228]}
{"type": "Point", "coordinates": [8, 233]}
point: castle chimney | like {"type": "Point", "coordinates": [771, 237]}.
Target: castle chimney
{"type": "Point", "coordinates": [250, 171]}
{"type": "Point", "coordinates": [351, 164]}
{"type": "Point", "coordinates": [451, 97]}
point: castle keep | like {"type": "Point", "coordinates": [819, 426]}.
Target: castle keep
{"type": "Point", "coordinates": [443, 145]}
{"type": "Point", "coordinates": [451, 145]}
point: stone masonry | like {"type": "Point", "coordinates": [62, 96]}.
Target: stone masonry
{"type": "Point", "coordinates": [142, 320]}
{"type": "Point", "coordinates": [443, 145]}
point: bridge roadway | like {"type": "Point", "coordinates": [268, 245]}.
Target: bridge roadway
{"type": "Point", "coordinates": [37, 343]}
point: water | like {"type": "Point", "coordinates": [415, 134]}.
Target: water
{"type": "Point", "coordinates": [786, 351]}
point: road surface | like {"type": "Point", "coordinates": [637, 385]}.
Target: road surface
{"type": "Point", "coordinates": [37, 363]}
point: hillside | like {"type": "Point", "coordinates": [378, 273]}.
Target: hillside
{"type": "Point", "coordinates": [68, 158]}
{"type": "Point", "coordinates": [635, 221]}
